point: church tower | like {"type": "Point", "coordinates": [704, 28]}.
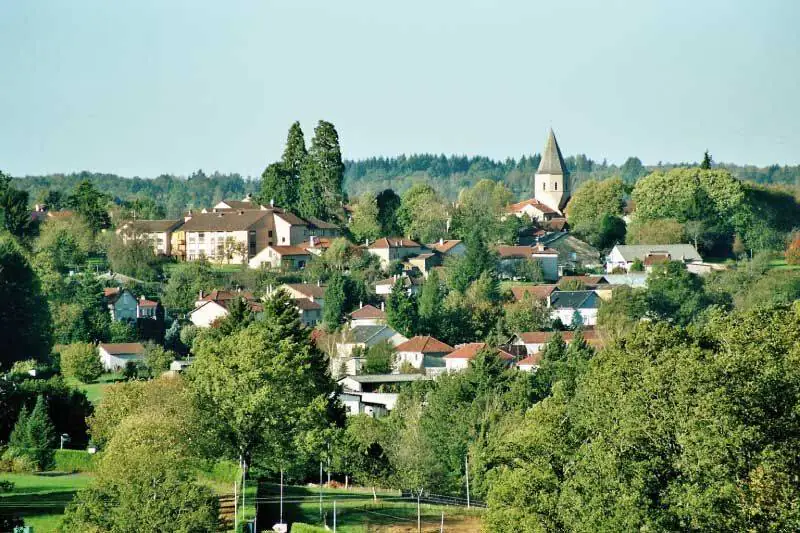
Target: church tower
{"type": "Point", "coordinates": [551, 182]}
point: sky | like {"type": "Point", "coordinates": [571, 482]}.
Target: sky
{"type": "Point", "coordinates": [160, 86]}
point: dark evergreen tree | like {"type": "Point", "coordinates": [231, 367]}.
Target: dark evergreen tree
{"type": "Point", "coordinates": [388, 204]}
{"type": "Point", "coordinates": [429, 305]}
{"type": "Point", "coordinates": [276, 187]}
{"type": "Point", "coordinates": [294, 155]}
{"type": "Point", "coordinates": [91, 204]}
{"type": "Point", "coordinates": [334, 301]}
{"type": "Point", "coordinates": [322, 175]}
{"type": "Point", "coordinates": [25, 326]}
{"type": "Point", "coordinates": [401, 313]}
{"type": "Point", "coordinates": [707, 161]}
{"type": "Point", "coordinates": [477, 260]}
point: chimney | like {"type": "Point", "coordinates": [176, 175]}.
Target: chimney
{"type": "Point", "coordinates": [360, 304]}
{"type": "Point", "coordinates": [272, 202]}
{"type": "Point", "coordinates": [366, 242]}
{"type": "Point", "coordinates": [382, 306]}
{"type": "Point", "coordinates": [441, 241]}
{"type": "Point", "coordinates": [319, 283]}
{"type": "Point", "coordinates": [200, 295]}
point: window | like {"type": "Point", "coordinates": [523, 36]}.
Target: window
{"type": "Point", "coordinates": [544, 186]}
{"type": "Point", "coordinates": [201, 236]}
{"type": "Point", "coordinates": [270, 234]}
{"type": "Point", "coordinates": [555, 186]}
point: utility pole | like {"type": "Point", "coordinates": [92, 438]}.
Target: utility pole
{"type": "Point", "coordinates": [320, 490]}
{"type": "Point", "coordinates": [334, 516]}
{"type": "Point", "coordinates": [236, 504]}
{"type": "Point", "coordinates": [281, 520]}
{"type": "Point", "coordinates": [441, 527]}
{"type": "Point", "coordinates": [244, 481]}
{"type": "Point", "coordinates": [466, 462]}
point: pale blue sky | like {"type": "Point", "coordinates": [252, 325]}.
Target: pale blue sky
{"type": "Point", "coordinates": [158, 86]}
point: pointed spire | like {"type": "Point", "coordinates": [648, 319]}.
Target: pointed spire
{"type": "Point", "coordinates": [552, 161]}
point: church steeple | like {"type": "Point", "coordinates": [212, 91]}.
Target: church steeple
{"type": "Point", "coordinates": [551, 182]}
{"type": "Point", "coordinates": [552, 161]}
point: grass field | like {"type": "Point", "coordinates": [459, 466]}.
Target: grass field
{"type": "Point", "coordinates": [94, 391]}
{"type": "Point", "coordinates": [356, 512]}
{"type": "Point", "coordinates": [41, 498]}
{"type": "Point", "coordinates": [780, 264]}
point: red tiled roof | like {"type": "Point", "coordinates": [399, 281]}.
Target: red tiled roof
{"type": "Point", "coordinates": [532, 360]}
{"type": "Point", "coordinates": [123, 348]}
{"type": "Point", "coordinates": [289, 250]}
{"type": "Point", "coordinates": [533, 202]}
{"type": "Point", "coordinates": [656, 259]}
{"type": "Point", "coordinates": [537, 291]}
{"type": "Point", "coordinates": [110, 291]}
{"type": "Point", "coordinates": [555, 224]}
{"type": "Point", "coordinates": [147, 303]}
{"type": "Point", "coordinates": [542, 249]}
{"type": "Point", "coordinates": [394, 242]}
{"type": "Point", "coordinates": [319, 242]}
{"type": "Point", "coordinates": [514, 251]}
{"type": "Point", "coordinates": [471, 349]}
{"type": "Point", "coordinates": [426, 344]}
{"type": "Point", "coordinates": [366, 312]}
{"type": "Point", "coordinates": [444, 246]}
{"type": "Point", "coordinates": [220, 296]}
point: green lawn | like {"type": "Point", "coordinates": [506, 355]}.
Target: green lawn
{"type": "Point", "coordinates": [780, 264]}
{"type": "Point", "coordinates": [94, 391]}
{"type": "Point", "coordinates": [356, 512]}
{"type": "Point", "coordinates": [41, 498]}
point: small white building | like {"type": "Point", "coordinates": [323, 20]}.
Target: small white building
{"type": "Point", "coordinates": [565, 304]}
{"type": "Point", "coordinates": [286, 257]}
{"type": "Point", "coordinates": [548, 259]}
{"type": "Point", "coordinates": [422, 352]}
{"type": "Point", "coordinates": [622, 256]}
{"type": "Point", "coordinates": [460, 358]}
{"type": "Point", "coordinates": [530, 363]}
{"type": "Point", "coordinates": [412, 285]}
{"type": "Point", "coordinates": [114, 356]}
{"type": "Point", "coordinates": [368, 315]}
{"type": "Point", "coordinates": [389, 249]}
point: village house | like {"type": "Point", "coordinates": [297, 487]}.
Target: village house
{"type": "Point", "coordinates": [359, 339]}
{"type": "Point", "coordinates": [448, 247]}
{"type": "Point", "coordinates": [146, 308]}
{"type": "Point", "coordinates": [314, 292]}
{"type": "Point", "coordinates": [622, 256]}
{"type": "Point", "coordinates": [532, 209]}
{"type": "Point", "coordinates": [368, 315]}
{"type": "Point", "coordinates": [375, 394]}
{"type": "Point", "coordinates": [316, 245]}
{"type": "Point", "coordinates": [532, 342]}
{"type": "Point", "coordinates": [461, 356]}
{"type": "Point", "coordinates": [157, 232]}
{"type": "Point", "coordinates": [567, 305]}
{"type": "Point", "coordinates": [284, 257]}
{"type": "Point", "coordinates": [548, 260]}
{"type": "Point", "coordinates": [228, 237]}
{"type": "Point", "coordinates": [423, 263]}
{"type": "Point", "coordinates": [214, 306]}
{"type": "Point", "coordinates": [535, 292]}
{"type": "Point", "coordinates": [309, 310]}
{"type": "Point", "coordinates": [412, 285]}
{"type": "Point", "coordinates": [121, 303]}
{"type": "Point", "coordinates": [530, 363]}
{"type": "Point", "coordinates": [114, 356]}
{"type": "Point", "coordinates": [389, 249]}
{"type": "Point", "coordinates": [421, 352]}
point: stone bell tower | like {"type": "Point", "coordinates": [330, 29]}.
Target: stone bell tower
{"type": "Point", "coordinates": [551, 182]}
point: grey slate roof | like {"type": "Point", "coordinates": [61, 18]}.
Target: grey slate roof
{"type": "Point", "coordinates": [362, 334]}
{"type": "Point", "coordinates": [574, 300]}
{"type": "Point", "coordinates": [552, 161]}
{"type": "Point", "coordinates": [678, 252]}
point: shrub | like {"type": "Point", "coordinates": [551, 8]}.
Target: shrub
{"type": "Point", "coordinates": [74, 461]}
{"type": "Point", "coordinates": [6, 486]}
{"type": "Point", "coordinates": [80, 360]}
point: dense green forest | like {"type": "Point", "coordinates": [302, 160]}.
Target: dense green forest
{"type": "Point", "coordinates": [447, 174]}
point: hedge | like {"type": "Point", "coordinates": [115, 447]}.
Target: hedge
{"type": "Point", "coordinates": [74, 461]}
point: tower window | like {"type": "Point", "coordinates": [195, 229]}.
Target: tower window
{"type": "Point", "coordinates": [555, 186]}
{"type": "Point", "coordinates": [544, 186]}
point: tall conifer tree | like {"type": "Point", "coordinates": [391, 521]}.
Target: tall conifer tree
{"type": "Point", "coordinates": [322, 175]}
